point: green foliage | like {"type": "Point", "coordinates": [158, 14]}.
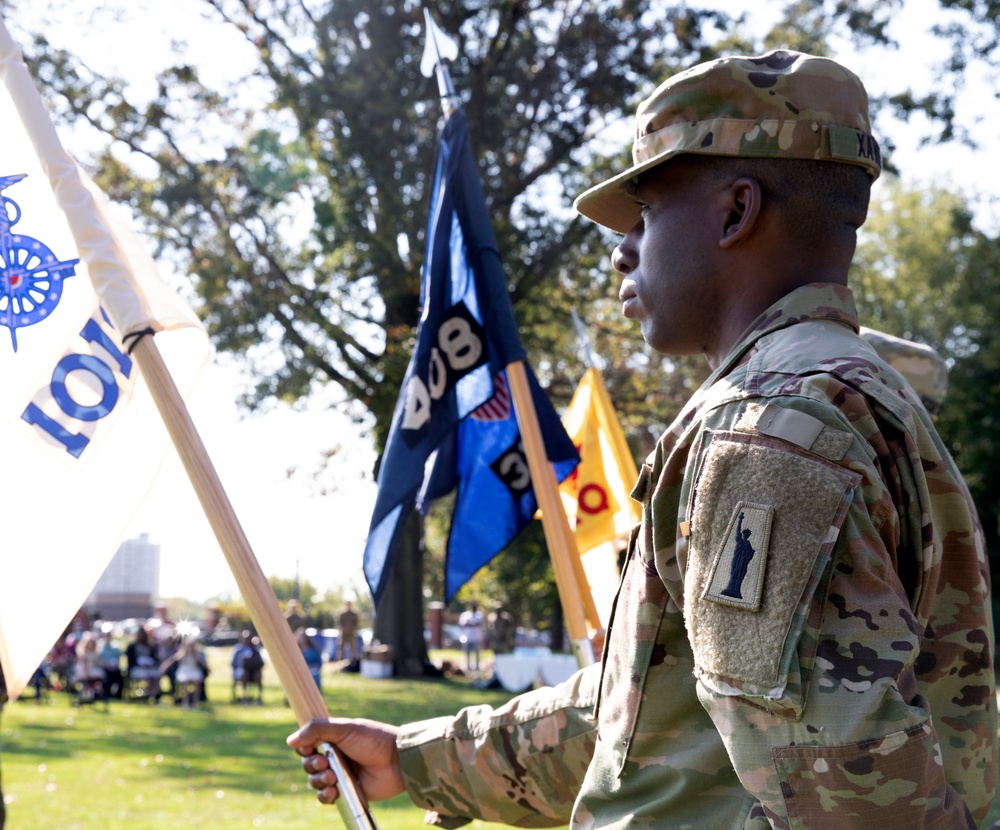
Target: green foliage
{"type": "Point", "coordinates": [150, 767]}
{"type": "Point", "coordinates": [276, 168]}
{"type": "Point", "coordinates": [303, 238]}
{"type": "Point", "coordinates": [324, 610]}
{"type": "Point", "coordinates": [904, 271]}
{"type": "Point", "coordinates": [236, 614]}
{"type": "Point", "coordinates": [181, 608]}
{"type": "Point", "coordinates": [923, 272]}
{"type": "Point", "coordinates": [288, 588]}
{"type": "Point", "coordinates": [971, 30]}
{"type": "Point", "coordinates": [142, 767]}
{"type": "Point", "coordinates": [971, 417]}
{"type": "Point", "coordinates": [810, 25]}
{"type": "Point", "coordinates": [319, 610]}
{"type": "Point", "coordinates": [521, 579]}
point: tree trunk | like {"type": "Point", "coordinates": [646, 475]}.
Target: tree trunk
{"type": "Point", "coordinates": [556, 632]}
{"type": "Point", "coordinates": [399, 617]}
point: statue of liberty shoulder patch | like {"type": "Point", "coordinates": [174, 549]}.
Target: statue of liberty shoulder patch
{"type": "Point", "coordinates": [738, 575]}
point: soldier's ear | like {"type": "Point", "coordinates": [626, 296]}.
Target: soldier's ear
{"type": "Point", "coordinates": [741, 207]}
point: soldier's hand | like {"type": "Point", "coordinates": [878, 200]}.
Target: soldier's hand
{"type": "Point", "coordinates": [597, 638]}
{"type": "Point", "coordinates": [370, 746]}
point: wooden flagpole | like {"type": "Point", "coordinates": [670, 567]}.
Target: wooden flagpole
{"type": "Point", "coordinates": [299, 687]}
{"type": "Point", "coordinates": [573, 594]}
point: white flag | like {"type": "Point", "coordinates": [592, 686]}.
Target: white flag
{"type": "Point", "coordinates": [80, 436]}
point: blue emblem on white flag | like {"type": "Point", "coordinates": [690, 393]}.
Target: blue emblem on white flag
{"type": "Point", "coordinates": [31, 277]}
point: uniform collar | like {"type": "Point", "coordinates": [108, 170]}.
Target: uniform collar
{"type": "Point", "coordinates": [816, 301]}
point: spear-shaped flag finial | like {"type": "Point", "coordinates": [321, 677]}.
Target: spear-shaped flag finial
{"type": "Point", "coordinates": [438, 48]}
{"type": "Point", "coordinates": [588, 353]}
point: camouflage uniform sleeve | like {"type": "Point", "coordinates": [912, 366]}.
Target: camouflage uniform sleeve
{"type": "Point", "coordinates": [812, 659]}
{"type": "Point", "coordinates": [521, 764]}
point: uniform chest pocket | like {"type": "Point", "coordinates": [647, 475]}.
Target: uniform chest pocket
{"type": "Point", "coordinates": [632, 638]}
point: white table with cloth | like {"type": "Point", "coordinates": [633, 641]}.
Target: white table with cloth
{"type": "Point", "coordinates": [527, 667]}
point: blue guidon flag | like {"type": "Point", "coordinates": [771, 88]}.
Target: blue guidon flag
{"type": "Point", "coordinates": [454, 422]}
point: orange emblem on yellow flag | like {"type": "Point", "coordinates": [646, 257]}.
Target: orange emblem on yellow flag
{"type": "Point", "coordinates": [596, 497]}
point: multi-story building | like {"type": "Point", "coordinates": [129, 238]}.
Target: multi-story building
{"type": "Point", "coordinates": [130, 584]}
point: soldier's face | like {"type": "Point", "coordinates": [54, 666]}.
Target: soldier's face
{"type": "Point", "coordinates": [669, 284]}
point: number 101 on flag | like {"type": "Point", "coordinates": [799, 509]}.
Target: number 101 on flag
{"type": "Point", "coordinates": [86, 385]}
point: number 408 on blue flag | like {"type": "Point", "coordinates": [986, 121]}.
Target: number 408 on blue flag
{"type": "Point", "coordinates": [459, 347]}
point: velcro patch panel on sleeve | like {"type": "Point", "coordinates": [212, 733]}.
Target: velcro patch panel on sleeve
{"type": "Point", "coordinates": [765, 518]}
{"type": "Point", "coordinates": [799, 428]}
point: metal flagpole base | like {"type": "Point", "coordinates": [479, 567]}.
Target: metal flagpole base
{"type": "Point", "coordinates": [352, 806]}
{"type": "Point", "coordinates": [583, 651]}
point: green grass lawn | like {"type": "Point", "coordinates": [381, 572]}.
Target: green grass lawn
{"type": "Point", "coordinates": [136, 766]}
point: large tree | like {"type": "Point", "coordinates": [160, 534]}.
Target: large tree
{"type": "Point", "coordinates": [298, 211]}
{"type": "Point", "coordinates": [301, 224]}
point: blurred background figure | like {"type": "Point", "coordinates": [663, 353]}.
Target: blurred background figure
{"type": "Point", "coordinates": [348, 642]}
{"type": "Point", "coordinates": [163, 637]}
{"type": "Point", "coordinates": [109, 657]}
{"type": "Point", "coordinates": [473, 634]}
{"type": "Point", "coordinates": [142, 667]}
{"type": "Point", "coordinates": [924, 369]}
{"type": "Point", "coordinates": [42, 680]}
{"type": "Point", "coordinates": [89, 676]}
{"type": "Point", "coordinates": [3, 700]}
{"type": "Point", "coordinates": [311, 654]}
{"type": "Point", "coordinates": [160, 626]}
{"type": "Point", "coordinates": [501, 628]}
{"type": "Point", "coordinates": [248, 668]}
{"type": "Point", "coordinates": [191, 668]}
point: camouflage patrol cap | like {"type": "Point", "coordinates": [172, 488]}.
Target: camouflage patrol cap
{"type": "Point", "coordinates": [779, 105]}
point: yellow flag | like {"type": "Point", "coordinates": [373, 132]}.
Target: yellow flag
{"type": "Point", "coordinates": [596, 496]}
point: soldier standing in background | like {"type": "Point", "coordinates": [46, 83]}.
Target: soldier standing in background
{"type": "Point", "coordinates": [348, 642]}
{"type": "Point", "coordinates": [473, 634]}
{"type": "Point", "coordinates": [501, 629]}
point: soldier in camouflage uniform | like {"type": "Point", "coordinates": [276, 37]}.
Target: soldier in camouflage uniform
{"type": "Point", "coordinates": [924, 369]}
{"type": "Point", "coordinates": [802, 637]}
